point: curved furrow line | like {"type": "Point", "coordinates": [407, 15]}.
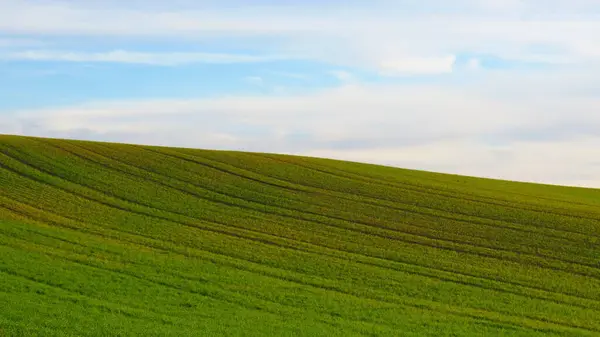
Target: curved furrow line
{"type": "Point", "coordinates": [396, 201]}
{"type": "Point", "coordinates": [429, 275]}
{"type": "Point", "coordinates": [449, 193]}
{"type": "Point", "coordinates": [150, 237]}
{"type": "Point", "coordinates": [430, 177]}
{"type": "Point", "coordinates": [260, 210]}
{"type": "Point", "coordinates": [226, 293]}
{"type": "Point", "coordinates": [428, 308]}
{"type": "Point", "coordinates": [234, 265]}
{"type": "Point", "coordinates": [366, 199]}
{"type": "Point", "coordinates": [113, 205]}
{"type": "Point", "coordinates": [356, 177]}
{"type": "Point", "coordinates": [595, 219]}
{"type": "Point", "coordinates": [424, 176]}
{"type": "Point", "coordinates": [57, 238]}
{"type": "Point", "coordinates": [225, 298]}
{"type": "Point", "coordinates": [452, 218]}
{"type": "Point", "coordinates": [408, 241]}
{"type": "Point", "coordinates": [287, 236]}
{"type": "Point", "coordinates": [479, 318]}
{"type": "Point", "coordinates": [399, 301]}
{"type": "Point", "coordinates": [132, 275]}
{"type": "Point", "coordinates": [284, 186]}
{"type": "Point", "coordinates": [589, 265]}
{"type": "Point", "coordinates": [455, 249]}
{"type": "Point", "coordinates": [160, 181]}
{"type": "Point", "coordinates": [190, 225]}
{"type": "Point", "coordinates": [353, 200]}
{"type": "Point", "coordinates": [70, 242]}
{"type": "Point", "coordinates": [165, 177]}
{"type": "Point", "coordinates": [99, 232]}
{"type": "Point", "coordinates": [82, 294]}
{"type": "Point", "coordinates": [135, 276]}
{"type": "Point", "coordinates": [400, 270]}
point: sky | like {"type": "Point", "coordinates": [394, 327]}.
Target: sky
{"type": "Point", "coordinates": [506, 89]}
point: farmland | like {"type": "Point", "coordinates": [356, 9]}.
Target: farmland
{"type": "Point", "coordinates": [104, 239]}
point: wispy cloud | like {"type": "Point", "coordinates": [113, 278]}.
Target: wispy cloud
{"type": "Point", "coordinates": [342, 75]}
{"type": "Point", "coordinates": [487, 127]}
{"type": "Point", "coordinates": [122, 56]}
{"type": "Point", "coordinates": [19, 43]}
{"type": "Point", "coordinates": [450, 86]}
{"type": "Point", "coordinates": [565, 162]}
{"type": "Point", "coordinates": [292, 75]}
{"type": "Point", "coordinates": [386, 36]}
{"type": "Point", "coordinates": [424, 65]}
{"type": "Point", "coordinates": [474, 64]}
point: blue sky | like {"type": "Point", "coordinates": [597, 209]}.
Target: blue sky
{"type": "Point", "coordinates": [499, 88]}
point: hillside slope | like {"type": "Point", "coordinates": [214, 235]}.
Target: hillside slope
{"type": "Point", "coordinates": [105, 239]}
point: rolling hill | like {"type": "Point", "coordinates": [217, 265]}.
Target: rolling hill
{"type": "Point", "coordinates": [104, 239]}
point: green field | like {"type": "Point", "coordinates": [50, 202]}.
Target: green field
{"type": "Point", "coordinates": [101, 239]}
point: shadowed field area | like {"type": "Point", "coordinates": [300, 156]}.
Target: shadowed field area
{"type": "Point", "coordinates": [101, 239]}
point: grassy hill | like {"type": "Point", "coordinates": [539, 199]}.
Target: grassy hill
{"type": "Point", "coordinates": [105, 239]}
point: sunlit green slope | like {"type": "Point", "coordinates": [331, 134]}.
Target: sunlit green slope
{"type": "Point", "coordinates": [107, 239]}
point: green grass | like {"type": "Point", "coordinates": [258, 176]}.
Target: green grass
{"type": "Point", "coordinates": [101, 239]}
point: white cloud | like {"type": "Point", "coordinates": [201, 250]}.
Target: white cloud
{"type": "Point", "coordinates": [19, 42]}
{"type": "Point", "coordinates": [386, 36]}
{"type": "Point", "coordinates": [569, 162]}
{"type": "Point", "coordinates": [527, 125]}
{"type": "Point", "coordinates": [423, 65]}
{"type": "Point", "coordinates": [474, 64]}
{"type": "Point", "coordinates": [9, 125]}
{"type": "Point", "coordinates": [292, 75]}
{"type": "Point", "coordinates": [122, 56]}
{"type": "Point", "coordinates": [516, 126]}
{"type": "Point", "coordinates": [342, 75]}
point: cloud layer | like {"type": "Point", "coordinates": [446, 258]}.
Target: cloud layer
{"type": "Point", "coordinates": [122, 56]}
{"type": "Point", "coordinates": [394, 37]}
{"type": "Point", "coordinates": [497, 88]}
{"type": "Point", "coordinates": [482, 128]}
